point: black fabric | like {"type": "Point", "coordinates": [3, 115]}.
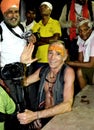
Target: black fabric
{"type": "Point", "coordinates": [20, 25]}
{"type": "Point", "coordinates": [1, 30]}
{"type": "Point", "coordinates": [1, 39]}
{"type": "Point", "coordinates": [62, 70]}
{"type": "Point", "coordinates": [32, 90]}
{"type": "Point", "coordinates": [58, 86]}
{"type": "Point", "coordinates": [4, 117]}
{"type": "Point", "coordinates": [42, 70]}
{"type": "Point", "coordinates": [73, 50]}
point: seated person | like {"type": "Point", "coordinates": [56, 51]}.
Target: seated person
{"type": "Point", "coordinates": [85, 63]}
{"type": "Point", "coordinates": [56, 88]}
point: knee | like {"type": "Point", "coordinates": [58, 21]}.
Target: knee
{"type": "Point", "coordinates": [79, 73]}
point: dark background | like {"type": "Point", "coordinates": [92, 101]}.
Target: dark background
{"type": "Point", "coordinates": [57, 6]}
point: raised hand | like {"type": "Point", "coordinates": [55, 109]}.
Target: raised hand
{"type": "Point", "coordinates": [26, 56]}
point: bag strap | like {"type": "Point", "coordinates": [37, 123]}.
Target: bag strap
{"type": "Point", "coordinates": [14, 31]}
{"type": "Point", "coordinates": [1, 38]}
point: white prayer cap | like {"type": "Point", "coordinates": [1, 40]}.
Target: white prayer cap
{"type": "Point", "coordinates": [48, 4]}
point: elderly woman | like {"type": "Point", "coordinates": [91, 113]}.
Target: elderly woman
{"type": "Point", "coordinates": [56, 88]}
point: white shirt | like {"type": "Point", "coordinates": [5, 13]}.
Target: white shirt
{"type": "Point", "coordinates": [28, 27]}
{"type": "Point", "coordinates": [87, 47]}
{"type": "Point", "coordinates": [11, 46]}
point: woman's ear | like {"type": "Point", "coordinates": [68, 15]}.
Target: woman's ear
{"type": "Point", "coordinates": [66, 55]}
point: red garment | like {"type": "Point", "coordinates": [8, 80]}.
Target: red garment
{"type": "Point", "coordinates": [72, 16]}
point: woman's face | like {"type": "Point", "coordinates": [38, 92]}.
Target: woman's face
{"type": "Point", "coordinates": [56, 55]}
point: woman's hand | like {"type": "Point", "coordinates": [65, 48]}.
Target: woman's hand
{"type": "Point", "coordinates": [36, 125]}
{"type": "Point", "coordinates": [26, 117]}
{"type": "Point", "coordinates": [26, 56]}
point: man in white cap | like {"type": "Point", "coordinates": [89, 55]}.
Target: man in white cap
{"type": "Point", "coordinates": [48, 29]}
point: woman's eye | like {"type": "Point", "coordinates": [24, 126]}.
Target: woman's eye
{"type": "Point", "coordinates": [58, 53]}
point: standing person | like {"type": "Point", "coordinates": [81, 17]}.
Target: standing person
{"type": "Point", "coordinates": [85, 63]}
{"type": "Point", "coordinates": [7, 107]}
{"type": "Point", "coordinates": [11, 44]}
{"type": "Point", "coordinates": [30, 19]}
{"type": "Point", "coordinates": [28, 24]}
{"type": "Point", "coordinates": [47, 29]}
{"type": "Point", "coordinates": [56, 89]}
{"type": "Point", "coordinates": [72, 13]}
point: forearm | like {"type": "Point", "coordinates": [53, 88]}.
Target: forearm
{"type": "Point", "coordinates": [58, 109]}
{"type": "Point", "coordinates": [29, 80]}
{"type": "Point", "coordinates": [47, 40]}
{"type": "Point", "coordinates": [32, 78]}
{"type": "Point", "coordinates": [29, 116]}
{"type": "Point", "coordinates": [53, 111]}
{"type": "Point", "coordinates": [81, 64]}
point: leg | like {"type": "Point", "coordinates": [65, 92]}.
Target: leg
{"type": "Point", "coordinates": [81, 79]}
{"type": "Point", "coordinates": [93, 79]}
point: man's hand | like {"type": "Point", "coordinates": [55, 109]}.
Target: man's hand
{"type": "Point", "coordinates": [32, 39]}
{"type": "Point", "coordinates": [26, 56]}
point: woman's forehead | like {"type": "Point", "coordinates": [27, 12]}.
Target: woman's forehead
{"type": "Point", "coordinates": [57, 44]}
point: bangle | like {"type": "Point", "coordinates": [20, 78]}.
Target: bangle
{"type": "Point", "coordinates": [27, 65]}
{"type": "Point", "coordinates": [37, 115]}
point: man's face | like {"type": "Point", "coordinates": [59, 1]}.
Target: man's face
{"type": "Point", "coordinates": [84, 31]}
{"type": "Point", "coordinates": [81, 2]}
{"type": "Point", "coordinates": [45, 10]}
{"type": "Point", "coordinates": [30, 15]}
{"type": "Point", "coordinates": [11, 17]}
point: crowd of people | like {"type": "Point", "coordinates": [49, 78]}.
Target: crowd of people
{"type": "Point", "coordinates": [52, 55]}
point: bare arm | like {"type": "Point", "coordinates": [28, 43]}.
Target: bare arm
{"type": "Point", "coordinates": [32, 78]}
{"type": "Point", "coordinates": [46, 40]}
{"type": "Point", "coordinates": [65, 106]}
{"type": "Point", "coordinates": [83, 64]}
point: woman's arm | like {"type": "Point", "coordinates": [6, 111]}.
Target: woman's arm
{"type": "Point", "coordinates": [65, 106]}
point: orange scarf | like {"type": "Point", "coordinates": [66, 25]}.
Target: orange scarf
{"type": "Point", "coordinates": [85, 14]}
